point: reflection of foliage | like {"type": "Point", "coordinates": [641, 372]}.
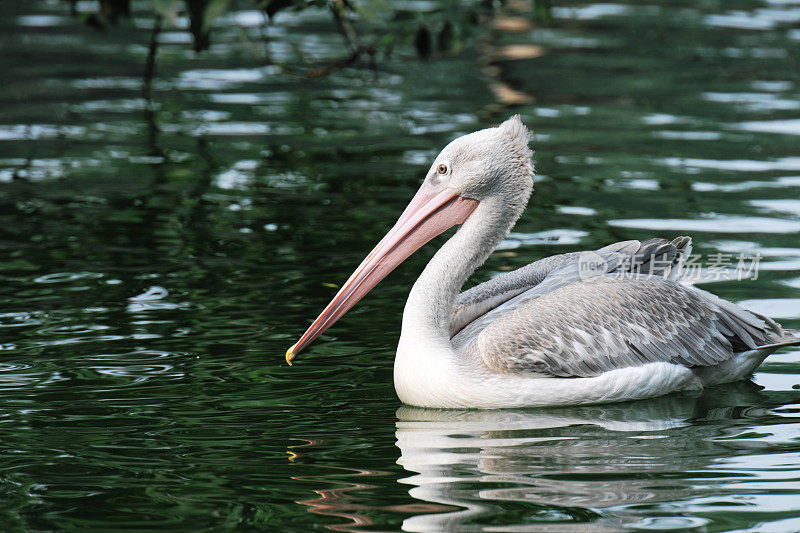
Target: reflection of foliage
{"type": "Point", "coordinates": [442, 28]}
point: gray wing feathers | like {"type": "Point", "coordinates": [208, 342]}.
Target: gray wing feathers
{"type": "Point", "coordinates": [602, 324]}
{"type": "Point", "coordinates": [483, 304]}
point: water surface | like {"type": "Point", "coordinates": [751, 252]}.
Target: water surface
{"type": "Point", "coordinates": [154, 269]}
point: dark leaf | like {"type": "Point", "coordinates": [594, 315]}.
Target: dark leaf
{"type": "Point", "coordinates": [423, 42]}
{"type": "Point", "coordinates": [113, 9]}
{"type": "Point", "coordinates": [93, 20]}
{"type": "Point", "coordinates": [197, 25]}
{"type": "Point", "coordinates": [446, 37]}
{"type": "Point", "coordinates": [273, 6]}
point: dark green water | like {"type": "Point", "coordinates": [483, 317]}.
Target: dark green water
{"type": "Point", "coordinates": [153, 273]}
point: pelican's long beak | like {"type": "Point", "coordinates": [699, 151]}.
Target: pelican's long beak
{"type": "Point", "coordinates": [431, 212]}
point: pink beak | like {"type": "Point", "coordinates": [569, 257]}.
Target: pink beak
{"type": "Point", "coordinates": [431, 212]}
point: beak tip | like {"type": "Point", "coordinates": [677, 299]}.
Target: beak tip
{"type": "Point", "coordinates": [290, 355]}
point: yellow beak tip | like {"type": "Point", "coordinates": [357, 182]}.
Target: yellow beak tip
{"type": "Point", "coordinates": [290, 355]}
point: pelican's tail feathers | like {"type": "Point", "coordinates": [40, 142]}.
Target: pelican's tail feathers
{"type": "Point", "coordinates": [653, 257]}
{"type": "Point", "coordinates": [683, 246]}
{"type": "Point", "coordinates": [791, 338]}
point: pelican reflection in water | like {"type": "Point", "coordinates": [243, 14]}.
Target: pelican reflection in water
{"type": "Point", "coordinates": [580, 468]}
{"type": "Point", "coordinates": [550, 333]}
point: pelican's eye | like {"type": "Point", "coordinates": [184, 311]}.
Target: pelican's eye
{"type": "Point", "coordinates": [442, 169]}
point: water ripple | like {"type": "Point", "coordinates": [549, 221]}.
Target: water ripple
{"type": "Point", "coordinates": [715, 224]}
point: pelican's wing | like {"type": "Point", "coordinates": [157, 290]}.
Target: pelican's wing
{"type": "Point", "coordinates": [483, 304]}
{"type": "Point", "coordinates": [605, 323]}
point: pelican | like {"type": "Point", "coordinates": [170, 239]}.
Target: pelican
{"type": "Point", "coordinates": [609, 325]}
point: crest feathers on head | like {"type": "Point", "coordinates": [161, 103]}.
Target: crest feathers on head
{"type": "Point", "coordinates": [517, 132]}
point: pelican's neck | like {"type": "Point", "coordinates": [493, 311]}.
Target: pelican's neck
{"type": "Point", "coordinates": [430, 303]}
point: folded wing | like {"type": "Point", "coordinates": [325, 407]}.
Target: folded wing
{"type": "Point", "coordinates": [602, 324]}
{"type": "Point", "coordinates": [483, 304]}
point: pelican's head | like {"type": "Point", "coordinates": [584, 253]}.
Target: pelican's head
{"type": "Point", "coordinates": [490, 163]}
{"type": "Point", "coordinates": [485, 163]}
